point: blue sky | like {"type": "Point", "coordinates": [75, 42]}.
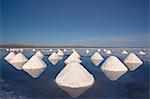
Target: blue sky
{"type": "Point", "coordinates": [112, 23]}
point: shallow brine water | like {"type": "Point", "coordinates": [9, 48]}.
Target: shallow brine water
{"type": "Point", "coordinates": [18, 84]}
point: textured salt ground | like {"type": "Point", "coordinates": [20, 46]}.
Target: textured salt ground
{"type": "Point", "coordinates": [131, 85]}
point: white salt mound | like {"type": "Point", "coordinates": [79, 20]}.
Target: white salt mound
{"type": "Point", "coordinates": [39, 54]}
{"type": "Point", "coordinates": [9, 56]}
{"type": "Point", "coordinates": [142, 53]}
{"type": "Point", "coordinates": [108, 52]}
{"type": "Point", "coordinates": [124, 52]}
{"type": "Point", "coordinates": [35, 66]}
{"type": "Point", "coordinates": [60, 53]}
{"type": "Point", "coordinates": [105, 50]}
{"type": "Point", "coordinates": [18, 61]}
{"type": "Point", "coordinates": [87, 51]}
{"type": "Point", "coordinates": [71, 59]}
{"type": "Point", "coordinates": [50, 50]}
{"type": "Point", "coordinates": [74, 79]}
{"type": "Point", "coordinates": [7, 49]}
{"type": "Point", "coordinates": [75, 54]}
{"type": "Point", "coordinates": [73, 50]}
{"type": "Point", "coordinates": [54, 58]}
{"type": "Point", "coordinates": [65, 50]}
{"type": "Point", "coordinates": [97, 58]}
{"type": "Point", "coordinates": [132, 62]}
{"type": "Point", "coordinates": [33, 50]}
{"type": "Point", "coordinates": [113, 68]}
{"type": "Point", "coordinates": [98, 50]}
{"type": "Point", "coordinates": [21, 50]}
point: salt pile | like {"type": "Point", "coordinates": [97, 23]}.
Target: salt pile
{"type": "Point", "coordinates": [65, 50]}
{"type": "Point", "coordinates": [39, 54]}
{"type": "Point", "coordinates": [74, 79]}
{"type": "Point", "coordinates": [21, 50]}
{"type": "Point", "coordinates": [75, 54]}
{"type": "Point", "coordinates": [132, 62]}
{"type": "Point", "coordinates": [60, 54]}
{"type": "Point", "coordinates": [142, 53]}
{"type": "Point", "coordinates": [87, 51]}
{"type": "Point", "coordinates": [98, 50]}
{"type": "Point", "coordinates": [113, 68]}
{"type": "Point", "coordinates": [35, 66]}
{"type": "Point", "coordinates": [54, 58]}
{"type": "Point", "coordinates": [73, 50]}
{"type": "Point", "coordinates": [72, 58]}
{"type": "Point", "coordinates": [18, 61]}
{"type": "Point", "coordinates": [124, 52]}
{"type": "Point", "coordinates": [108, 52]}
{"type": "Point", "coordinates": [33, 50]}
{"type": "Point", "coordinates": [105, 50]}
{"type": "Point", "coordinates": [9, 56]}
{"type": "Point", "coordinates": [7, 49]}
{"type": "Point", "coordinates": [97, 58]}
{"type": "Point", "coordinates": [50, 50]}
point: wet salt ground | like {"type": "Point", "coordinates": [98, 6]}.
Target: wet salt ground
{"type": "Point", "coordinates": [21, 85]}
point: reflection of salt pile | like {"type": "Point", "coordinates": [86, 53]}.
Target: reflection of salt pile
{"type": "Point", "coordinates": [18, 61]}
{"type": "Point", "coordinates": [39, 54]}
{"type": "Point", "coordinates": [98, 50]}
{"type": "Point", "coordinates": [142, 53]}
{"type": "Point", "coordinates": [35, 66]}
{"type": "Point", "coordinates": [74, 79]}
{"type": "Point", "coordinates": [113, 68]}
{"type": "Point", "coordinates": [54, 58]}
{"type": "Point", "coordinates": [97, 58]}
{"type": "Point", "coordinates": [87, 51]}
{"type": "Point", "coordinates": [124, 52]}
{"type": "Point", "coordinates": [9, 56]}
{"type": "Point", "coordinates": [60, 54]}
{"type": "Point", "coordinates": [132, 61]}
{"type": "Point", "coordinates": [108, 52]}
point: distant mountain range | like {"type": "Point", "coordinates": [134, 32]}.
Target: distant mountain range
{"type": "Point", "coordinates": [49, 46]}
{"type": "Point", "coordinates": [39, 46]}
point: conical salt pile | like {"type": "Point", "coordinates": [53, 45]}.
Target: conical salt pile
{"type": "Point", "coordinates": [98, 50]}
{"type": "Point", "coordinates": [39, 54]}
{"type": "Point", "coordinates": [21, 49]}
{"type": "Point", "coordinates": [10, 56]}
{"type": "Point", "coordinates": [87, 51]}
{"type": "Point", "coordinates": [7, 50]}
{"type": "Point", "coordinates": [124, 52]}
{"type": "Point", "coordinates": [50, 50]}
{"type": "Point", "coordinates": [60, 54]}
{"type": "Point", "coordinates": [142, 53]}
{"type": "Point", "coordinates": [97, 58]}
{"type": "Point", "coordinates": [35, 66]}
{"type": "Point", "coordinates": [65, 50]}
{"type": "Point", "coordinates": [75, 54]}
{"type": "Point", "coordinates": [71, 59]}
{"type": "Point", "coordinates": [105, 50]}
{"type": "Point", "coordinates": [113, 68]}
{"type": "Point", "coordinates": [54, 58]}
{"type": "Point", "coordinates": [108, 52]}
{"type": "Point", "coordinates": [73, 50]}
{"type": "Point", "coordinates": [74, 79]}
{"type": "Point", "coordinates": [33, 50]}
{"type": "Point", "coordinates": [18, 61]}
{"type": "Point", "coordinates": [132, 62]}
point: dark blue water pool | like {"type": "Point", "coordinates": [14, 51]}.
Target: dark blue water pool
{"type": "Point", "coordinates": [18, 84]}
